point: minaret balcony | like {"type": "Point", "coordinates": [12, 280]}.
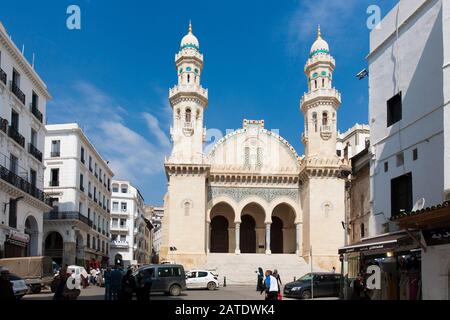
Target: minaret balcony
{"type": "Point", "coordinates": [322, 94]}
{"type": "Point", "coordinates": [188, 90]}
{"type": "Point", "coordinates": [187, 54]}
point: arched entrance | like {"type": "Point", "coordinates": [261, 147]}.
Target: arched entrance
{"type": "Point", "coordinates": [276, 235]}
{"type": "Point", "coordinates": [219, 235]}
{"type": "Point", "coordinates": [248, 234]}
{"type": "Point", "coordinates": [118, 260]}
{"type": "Point", "coordinates": [54, 247]}
{"type": "Point", "coordinates": [32, 230]}
{"type": "Point", "coordinates": [283, 230]}
{"type": "Point", "coordinates": [221, 229]}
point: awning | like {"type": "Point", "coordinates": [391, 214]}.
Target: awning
{"type": "Point", "coordinates": [382, 242]}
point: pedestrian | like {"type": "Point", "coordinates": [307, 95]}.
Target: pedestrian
{"type": "Point", "coordinates": [107, 278]}
{"type": "Point", "coordinates": [61, 283]}
{"type": "Point", "coordinates": [271, 285]}
{"type": "Point", "coordinates": [333, 270]}
{"type": "Point", "coordinates": [279, 283]}
{"type": "Point", "coordinates": [128, 286]}
{"type": "Point", "coordinates": [116, 280]}
{"type": "Point", "coordinates": [260, 280]}
{"type": "Point", "coordinates": [144, 285]}
{"type": "Point", "coordinates": [93, 273]}
{"type": "Point", "coordinates": [6, 287]}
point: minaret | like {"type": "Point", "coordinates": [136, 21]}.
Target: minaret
{"type": "Point", "coordinates": [321, 103]}
{"type": "Point", "coordinates": [188, 100]}
{"type": "Point", "coordinates": [322, 172]}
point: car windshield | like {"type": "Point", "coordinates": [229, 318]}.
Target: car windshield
{"type": "Point", "coordinates": [306, 277]}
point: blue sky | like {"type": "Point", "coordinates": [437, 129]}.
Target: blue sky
{"type": "Point", "coordinates": [113, 75]}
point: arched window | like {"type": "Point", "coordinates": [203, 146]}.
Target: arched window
{"type": "Point", "coordinates": [323, 83]}
{"type": "Point", "coordinates": [187, 208]}
{"type": "Point", "coordinates": [189, 78]}
{"type": "Point", "coordinates": [188, 115]}
{"type": "Point", "coordinates": [314, 119]}
{"type": "Point", "coordinates": [315, 84]}
{"type": "Point", "coordinates": [325, 119]}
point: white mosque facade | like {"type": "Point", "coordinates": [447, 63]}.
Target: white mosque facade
{"type": "Point", "coordinates": [252, 194]}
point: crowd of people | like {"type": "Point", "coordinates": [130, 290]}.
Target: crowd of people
{"type": "Point", "coordinates": [270, 284]}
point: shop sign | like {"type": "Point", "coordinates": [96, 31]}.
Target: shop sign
{"type": "Point", "coordinates": [437, 236]}
{"type": "Point", "coordinates": [18, 236]}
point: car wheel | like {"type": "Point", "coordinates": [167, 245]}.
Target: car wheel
{"type": "Point", "coordinates": [35, 289]}
{"type": "Point", "coordinates": [211, 286]}
{"type": "Point", "coordinates": [306, 295]}
{"type": "Point", "coordinates": [175, 290]}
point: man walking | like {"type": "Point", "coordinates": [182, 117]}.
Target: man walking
{"type": "Point", "coordinates": [271, 284]}
{"type": "Point", "coordinates": [107, 279]}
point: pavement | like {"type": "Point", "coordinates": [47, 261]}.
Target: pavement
{"type": "Point", "coordinates": [221, 294]}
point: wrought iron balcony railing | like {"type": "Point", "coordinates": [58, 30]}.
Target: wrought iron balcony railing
{"type": "Point", "coordinates": [35, 111]}
{"type": "Point", "coordinates": [34, 152]}
{"type": "Point", "coordinates": [21, 184]}
{"type": "Point", "coordinates": [16, 136]}
{"type": "Point", "coordinates": [4, 125]}
{"type": "Point", "coordinates": [17, 92]}
{"type": "Point", "coordinates": [67, 215]}
{"type": "Point", "coordinates": [3, 76]}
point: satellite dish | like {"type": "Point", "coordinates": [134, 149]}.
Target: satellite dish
{"type": "Point", "coordinates": [420, 204]}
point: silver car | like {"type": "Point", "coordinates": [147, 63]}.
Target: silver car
{"type": "Point", "coordinates": [19, 286]}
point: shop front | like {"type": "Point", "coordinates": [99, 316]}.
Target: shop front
{"type": "Point", "coordinates": [434, 225]}
{"type": "Point", "coordinates": [16, 244]}
{"type": "Point", "coordinates": [386, 267]}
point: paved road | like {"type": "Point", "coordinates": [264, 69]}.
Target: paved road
{"type": "Point", "coordinates": [228, 293]}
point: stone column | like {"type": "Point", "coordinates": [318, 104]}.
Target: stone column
{"type": "Point", "coordinates": [268, 251]}
{"type": "Point", "coordinates": [298, 238]}
{"type": "Point", "coordinates": [208, 236]}
{"type": "Point", "coordinates": [237, 234]}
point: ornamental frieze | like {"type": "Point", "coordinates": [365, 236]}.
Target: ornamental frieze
{"type": "Point", "coordinates": [239, 194]}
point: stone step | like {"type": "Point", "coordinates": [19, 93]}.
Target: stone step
{"type": "Point", "coordinates": [241, 269]}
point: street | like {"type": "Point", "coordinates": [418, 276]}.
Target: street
{"type": "Point", "coordinates": [227, 293]}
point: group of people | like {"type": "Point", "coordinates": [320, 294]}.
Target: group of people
{"type": "Point", "coordinates": [270, 284]}
{"type": "Point", "coordinates": [122, 287]}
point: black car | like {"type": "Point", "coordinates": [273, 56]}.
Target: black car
{"type": "Point", "coordinates": [166, 278]}
{"type": "Point", "coordinates": [324, 285]}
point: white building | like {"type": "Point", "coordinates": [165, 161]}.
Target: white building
{"type": "Point", "coordinates": [252, 200]}
{"type": "Point", "coordinates": [157, 214]}
{"type": "Point", "coordinates": [353, 141]}
{"type": "Point", "coordinates": [130, 233]}
{"type": "Point", "coordinates": [409, 70]}
{"type": "Point", "coordinates": [23, 99]}
{"type": "Point", "coordinates": [78, 180]}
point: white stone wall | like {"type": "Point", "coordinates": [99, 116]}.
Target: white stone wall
{"type": "Point", "coordinates": [12, 59]}
{"type": "Point", "coordinates": [414, 66]}
{"type": "Point", "coordinates": [436, 273]}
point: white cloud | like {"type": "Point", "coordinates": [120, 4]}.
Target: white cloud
{"type": "Point", "coordinates": [155, 129]}
{"type": "Point", "coordinates": [106, 123]}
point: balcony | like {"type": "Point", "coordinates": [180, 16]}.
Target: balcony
{"type": "Point", "coordinates": [35, 111]}
{"type": "Point", "coordinates": [107, 210]}
{"type": "Point", "coordinates": [3, 76]}
{"type": "Point", "coordinates": [16, 136]}
{"type": "Point", "coordinates": [82, 188]}
{"type": "Point", "coordinates": [116, 227]}
{"type": "Point", "coordinates": [55, 154]}
{"type": "Point", "coordinates": [90, 195]}
{"type": "Point", "coordinates": [121, 244]}
{"type": "Point", "coordinates": [95, 199]}
{"type": "Point", "coordinates": [34, 152]}
{"type": "Point", "coordinates": [326, 132]}
{"type": "Point", "coordinates": [21, 184]}
{"type": "Point", "coordinates": [4, 125]}
{"type": "Point", "coordinates": [67, 215]}
{"type": "Point", "coordinates": [17, 92]}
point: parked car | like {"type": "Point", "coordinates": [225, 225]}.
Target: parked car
{"type": "Point", "coordinates": [165, 278]}
{"type": "Point", "coordinates": [324, 285]}
{"type": "Point", "coordinates": [19, 286]}
{"type": "Point", "coordinates": [201, 279]}
{"type": "Point", "coordinates": [36, 271]}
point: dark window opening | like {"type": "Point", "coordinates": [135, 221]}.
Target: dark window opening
{"type": "Point", "coordinates": [394, 109]}
{"type": "Point", "coordinates": [401, 194]}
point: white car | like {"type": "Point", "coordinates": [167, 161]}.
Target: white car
{"type": "Point", "coordinates": [201, 279]}
{"type": "Point", "coordinates": [19, 286]}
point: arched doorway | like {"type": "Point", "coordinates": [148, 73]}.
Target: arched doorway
{"type": "Point", "coordinates": [118, 260]}
{"type": "Point", "coordinates": [276, 235]}
{"type": "Point", "coordinates": [248, 234]}
{"type": "Point", "coordinates": [54, 247]}
{"type": "Point", "coordinates": [219, 235]}
{"type": "Point", "coordinates": [32, 230]}
{"type": "Point", "coordinates": [283, 230]}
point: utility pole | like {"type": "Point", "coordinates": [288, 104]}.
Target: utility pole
{"type": "Point", "coordinates": [312, 275]}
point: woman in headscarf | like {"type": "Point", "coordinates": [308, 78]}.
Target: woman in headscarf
{"type": "Point", "coordinates": [260, 281]}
